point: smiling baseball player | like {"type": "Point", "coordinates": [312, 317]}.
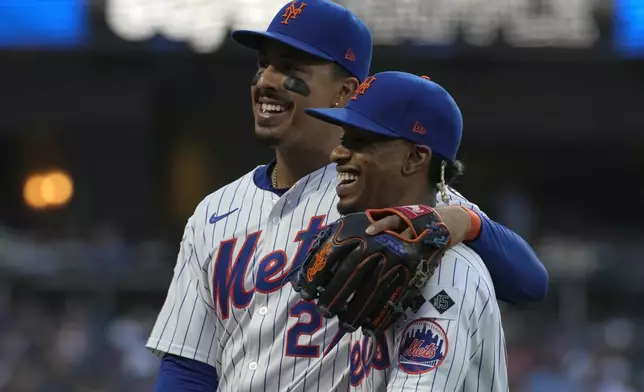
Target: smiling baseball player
{"type": "Point", "coordinates": [450, 338]}
{"type": "Point", "coordinates": [231, 320]}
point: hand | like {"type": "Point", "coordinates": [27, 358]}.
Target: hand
{"type": "Point", "coordinates": [369, 281]}
{"type": "Point", "coordinates": [457, 220]}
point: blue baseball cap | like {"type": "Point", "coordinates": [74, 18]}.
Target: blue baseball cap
{"type": "Point", "coordinates": [402, 105]}
{"type": "Point", "coordinates": [320, 28]}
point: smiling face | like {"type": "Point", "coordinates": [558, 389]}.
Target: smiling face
{"type": "Point", "coordinates": [377, 171]}
{"type": "Point", "coordinates": [287, 82]}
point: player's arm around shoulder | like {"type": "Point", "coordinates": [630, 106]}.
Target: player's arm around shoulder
{"type": "Point", "coordinates": [517, 273]}
{"type": "Point", "coordinates": [438, 344]}
{"type": "Point", "coordinates": [186, 315]}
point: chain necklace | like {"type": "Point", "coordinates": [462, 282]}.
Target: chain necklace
{"type": "Point", "coordinates": [274, 177]}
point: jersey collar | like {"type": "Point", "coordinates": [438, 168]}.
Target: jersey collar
{"type": "Point", "coordinates": [262, 177]}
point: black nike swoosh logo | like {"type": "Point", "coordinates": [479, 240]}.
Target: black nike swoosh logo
{"type": "Point", "coordinates": [215, 218]}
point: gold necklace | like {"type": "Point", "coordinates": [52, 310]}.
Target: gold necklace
{"type": "Point", "coordinates": [274, 177]}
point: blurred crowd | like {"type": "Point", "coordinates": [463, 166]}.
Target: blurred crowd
{"type": "Point", "coordinates": [601, 356]}
{"type": "Point", "coordinates": [68, 343]}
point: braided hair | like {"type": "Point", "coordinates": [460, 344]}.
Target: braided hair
{"type": "Point", "coordinates": [444, 173]}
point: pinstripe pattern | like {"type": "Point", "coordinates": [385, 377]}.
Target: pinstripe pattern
{"type": "Point", "coordinates": [475, 359]}
{"type": "Point", "coordinates": [254, 331]}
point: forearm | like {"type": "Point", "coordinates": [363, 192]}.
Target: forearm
{"type": "Point", "coordinates": [186, 375]}
{"type": "Point", "coordinates": [517, 273]}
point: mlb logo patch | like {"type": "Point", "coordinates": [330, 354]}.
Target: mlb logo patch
{"type": "Point", "coordinates": [423, 347]}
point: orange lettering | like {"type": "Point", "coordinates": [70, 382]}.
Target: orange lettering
{"type": "Point", "coordinates": [319, 263]}
{"type": "Point", "coordinates": [363, 87]}
{"type": "Point", "coordinates": [292, 12]}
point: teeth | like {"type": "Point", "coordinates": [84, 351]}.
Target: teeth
{"type": "Point", "coordinates": [271, 108]}
{"type": "Point", "coordinates": [346, 177]}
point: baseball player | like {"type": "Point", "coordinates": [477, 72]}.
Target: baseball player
{"type": "Point", "coordinates": [452, 339]}
{"type": "Point", "coordinates": [231, 322]}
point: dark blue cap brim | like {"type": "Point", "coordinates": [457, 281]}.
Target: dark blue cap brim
{"type": "Point", "coordinates": [257, 39]}
{"type": "Point", "coordinates": [344, 116]}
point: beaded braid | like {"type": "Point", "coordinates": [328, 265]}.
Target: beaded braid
{"type": "Point", "coordinates": [442, 187]}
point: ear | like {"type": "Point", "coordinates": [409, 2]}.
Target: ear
{"type": "Point", "coordinates": [345, 91]}
{"type": "Point", "coordinates": [417, 160]}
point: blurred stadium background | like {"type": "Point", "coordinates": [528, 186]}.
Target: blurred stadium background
{"type": "Point", "coordinates": [118, 116]}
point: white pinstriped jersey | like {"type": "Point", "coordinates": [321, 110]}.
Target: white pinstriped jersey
{"type": "Point", "coordinates": [229, 304]}
{"type": "Point", "coordinates": [451, 341]}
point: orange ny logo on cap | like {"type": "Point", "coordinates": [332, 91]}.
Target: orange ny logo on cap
{"type": "Point", "coordinates": [363, 87]}
{"type": "Point", "coordinates": [292, 11]}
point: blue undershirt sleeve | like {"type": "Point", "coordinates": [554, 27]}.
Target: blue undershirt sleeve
{"type": "Point", "coordinates": [185, 375]}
